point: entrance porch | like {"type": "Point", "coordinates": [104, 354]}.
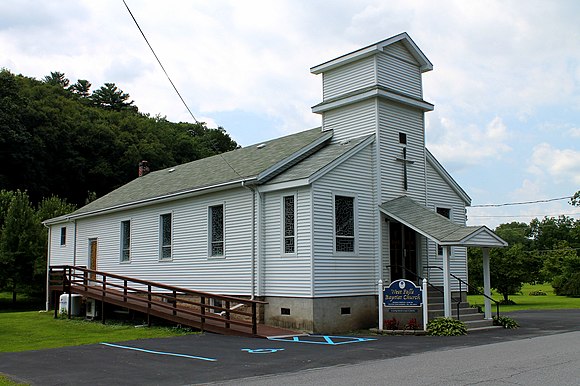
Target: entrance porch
{"type": "Point", "coordinates": [407, 227]}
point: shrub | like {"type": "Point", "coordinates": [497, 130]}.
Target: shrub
{"type": "Point", "coordinates": [557, 283]}
{"type": "Point", "coordinates": [412, 324]}
{"type": "Point", "coordinates": [446, 327]}
{"type": "Point", "coordinates": [538, 293]}
{"type": "Point", "coordinates": [507, 302]}
{"type": "Point", "coordinates": [571, 287]}
{"type": "Point", "coordinates": [392, 324]}
{"type": "Point", "coordinates": [505, 322]}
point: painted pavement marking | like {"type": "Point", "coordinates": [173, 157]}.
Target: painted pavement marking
{"type": "Point", "coordinates": [262, 350]}
{"type": "Point", "coordinates": [159, 352]}
{"type": "Point", "coordinates": [323, 339]}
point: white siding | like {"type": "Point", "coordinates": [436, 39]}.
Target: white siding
{"type": "Point", "coordinates": [443, 196]}
{"type": "Point", "coordinates": [400, 51]}
{"type": "Point", "coordinates": [342, 275]}
{"type": "Point", "coordinates": [399, 75]}
{"type": "Point", "coordinates": [287, 274]}
{"type": "Point", "coordinates": [347, 78]}
{"type": "Point", "coordinates": [190, 266]}
{"type": "Point", "coordinates": [351, 121]}
{"type": "Point", "coordinates": [62, 254]}
{"type": "Point", "coordinates": [395, 118]}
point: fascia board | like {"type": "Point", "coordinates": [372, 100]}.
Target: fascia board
{"type": "Point", "coordinates": [425, 64]}
{"type": "Point", "coordinates": [425, 106]}
{"type": "Point", "coordinates": [447, 177]}
{"type": "Point", "coordinates": [483, 229]}
{"type": "Point", "coordinates": [276, 167]}
{"type": "Point", "coordinates": [344, 59]}
{"type": "Point", "coordinates": [402, 221]}
{"type": "Point", "coordinates": [283, 185]}
{"type": "Point", "coordinates": [149, 201]}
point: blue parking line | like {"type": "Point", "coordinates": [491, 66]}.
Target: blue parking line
{"type": "Point", "coordinates": [159, 352]}
{"type": "Point", "coordinates": [326, 339]}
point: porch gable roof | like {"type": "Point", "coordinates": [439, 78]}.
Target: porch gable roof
{"type": "Point", "coordinates": [437, 228]}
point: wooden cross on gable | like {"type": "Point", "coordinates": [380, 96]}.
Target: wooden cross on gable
{"type": "Point", "coordinates": [405, 161]}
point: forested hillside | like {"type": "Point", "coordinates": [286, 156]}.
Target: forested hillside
{"type": "Point", "coordinates": [58, 138]}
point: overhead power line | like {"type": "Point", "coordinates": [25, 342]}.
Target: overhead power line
{"type": "Point", "coordinates": [520, 203]}
{"type": "Point", "coordinates": [159, 61]}
{"type": "Point", "coordinates": [175, 88]}
{"type": "Point", "coordinates": [527, 215]}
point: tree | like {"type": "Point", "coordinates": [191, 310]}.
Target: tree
{"type": "Point", "coordinates": [112, 98]}
{"type": "Point", "coordinates": [510, 267]}
{"type": "Point", "coordinates": [20, 245]}
{"type": "Point", "coordinates": [575, 200]}
{"type": "Point", "coordinates": [57, 79]}
{"type": "Point", "coordinates": [48, 208]}
{"type": "Point", "coordinates": [81, 88]}
{"type": "Point", "coordinates": [551, 230]}
{"type": "Point", "coordinates": [53, 141]}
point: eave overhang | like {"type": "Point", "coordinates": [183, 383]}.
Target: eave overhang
{"type": "Point", "coordinates": [372, 92]}
{"type": "Point", "coordinates": [424, 63]}
{"type": "Point", "coordinates": [438, 228]}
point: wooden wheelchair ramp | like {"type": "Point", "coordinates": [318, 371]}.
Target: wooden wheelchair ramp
{"type": "Point", "coordinates": [201, 310]}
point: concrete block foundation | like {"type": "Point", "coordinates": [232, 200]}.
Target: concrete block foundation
{"type": "Point", "coordinates": [322, 315]}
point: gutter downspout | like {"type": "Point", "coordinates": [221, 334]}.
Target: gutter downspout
{"type": "Point", "coordinates": [75, 245]}
{"type": "Point", "coordinates": [253, 238]}
{"type": "Point", "coordinates": [48, 242]}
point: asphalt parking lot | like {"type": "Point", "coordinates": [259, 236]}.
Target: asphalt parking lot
{"type": "Point", "coordinates": [209, 358]}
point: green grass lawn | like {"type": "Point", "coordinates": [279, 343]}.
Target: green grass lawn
{"type": "Point", "coordinates": [526, 302]}
{"type": "Point", "coordinates": [34, 330]}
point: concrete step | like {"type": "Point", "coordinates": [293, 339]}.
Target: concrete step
{"type": "Point", "coordinates": [462, 317]}
{"type": "Point", "coordinates": [473, 324]}
{"type": "Point", "coordinates": [462, 307]}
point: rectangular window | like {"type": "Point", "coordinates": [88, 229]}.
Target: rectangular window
{"type": "Point", "coordinates": [344, 223]}
{"type": "Point", "coordinates": [403, 138]}
{"type": "Point", "coordinates": [63, 236]}
{"type": "Point", "coordinates": [125, 240]}
{"type": "Point", "coordinates": [165, 236]}
{"type": "Point", "coordinates": [216, 229]}
{"type": "Point", "coordinates": [289, 225]}
{"type": "Point", "coordinates": [445, 212]}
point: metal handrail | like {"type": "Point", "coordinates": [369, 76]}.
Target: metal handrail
{"type": "Point", "coordinates": [458, 301]}
{"type": "Point", "coordinates": [477, 291]}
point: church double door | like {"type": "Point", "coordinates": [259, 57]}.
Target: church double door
{"type": "Point", "coordinates": [403, 252]}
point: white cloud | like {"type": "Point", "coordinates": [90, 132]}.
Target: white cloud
{"type": "Point", "coordinates": [468, 144]}
{"type": "Point", "coordinates": [574, 132]}
{"type": "Point", "coordinates": [558, 165]}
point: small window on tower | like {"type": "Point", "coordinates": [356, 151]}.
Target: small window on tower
{"type": "Point", "coordinates": [445, 212]}
{"type": "Point", "coordinates": [403, 138]}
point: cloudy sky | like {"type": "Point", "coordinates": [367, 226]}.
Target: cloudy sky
{"type": "Point", "coordinates": [505, 84]}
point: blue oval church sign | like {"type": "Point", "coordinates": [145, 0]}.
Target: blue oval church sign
{"type": "Point", "coordinates": [402, 293]}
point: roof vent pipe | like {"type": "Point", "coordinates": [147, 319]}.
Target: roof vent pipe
{"type": "Point", "coordinates": [143, 168]}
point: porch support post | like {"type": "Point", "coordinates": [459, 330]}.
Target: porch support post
{"type": "Point", "coordinates": [446, 283]}
{"type": "Point", "coordinates": [380, 301]}
{"type": "Point", "coordinates": [486, 282]}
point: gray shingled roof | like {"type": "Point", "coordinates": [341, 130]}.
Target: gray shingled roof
{"type": "Point", "coordinates": [432, 225]}
{"type": "Point", "coordinates": [317, 161]}
{"type": "Point", "coordinates": [250, 163]}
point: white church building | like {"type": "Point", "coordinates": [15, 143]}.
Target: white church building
{"type": "Point", "coordinates": [309, 222]}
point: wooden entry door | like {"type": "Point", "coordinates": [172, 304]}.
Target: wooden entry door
{"type": "Point", "coordinates": [403, 252]}
{"type": "Point", "coordinates": [92, 256]}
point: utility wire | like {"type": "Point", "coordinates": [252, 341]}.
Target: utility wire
{"type": "Point", "coordinates": [159, 61]}
{"type": "Point", "coordinates": [529, 215]}
{"type": "Point", "coordinates": [520, 203]}
{"type": "Point", "coordinates": [175, 88]}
